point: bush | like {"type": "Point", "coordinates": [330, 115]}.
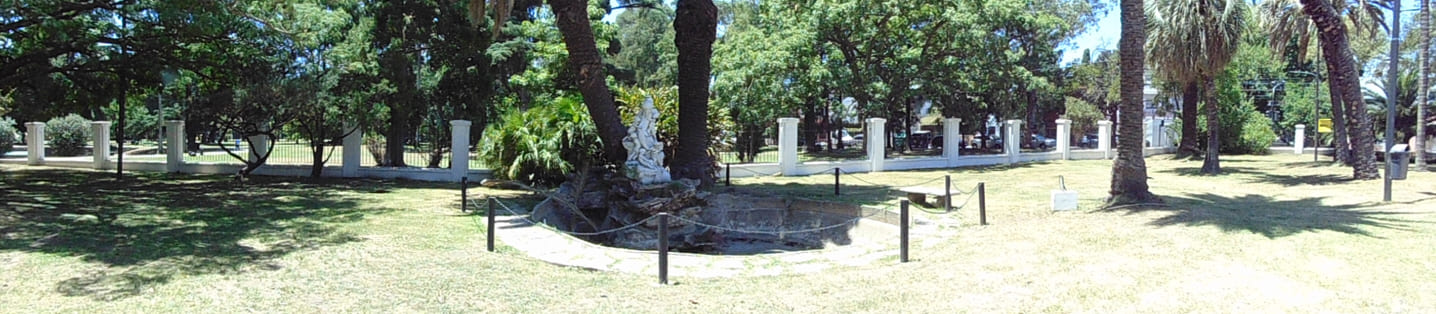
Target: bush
{"type": "Point", "coordinates": [1243, 129]}
{"type": "Point", "coordinates": [542, 144]}
{"type": "Point", "coordinates": [68, 135]}
{"type": "Point", "coordinates": [8, 136]}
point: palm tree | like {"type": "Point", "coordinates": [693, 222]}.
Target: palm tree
{"type": "Point", "coordinates": [1129, 170]}
{"type": "Point", "coordinates": [695, 27]}
{"type": "Point", "coordinates": [571, 16]}
{"type": "Point", "coordinates": [1424, 19]}
{"type": "Point", "coordinates": [1286, 21]}
{"type": "Point", "coordinates": [1192, 41]}
{"type": "Point", "coordinates": [1336, 48]}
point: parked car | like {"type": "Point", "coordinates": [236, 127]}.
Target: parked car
{"type": "Point", "coordinates": [920, 140]}
{"type": "Point", "coordinates": [1041, 142]}
{"type": "Point", "coordinates": [1088, 141]}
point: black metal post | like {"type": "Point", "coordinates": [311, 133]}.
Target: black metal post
{"type": "Point", "coordinates": [663, 248]}
{"type": "Point", "coordinates": [491, 224]}
{"type": "Point", "coordinates": [464, 194]}
{"type": "Point", "coordinates": [947, 189]}
{"type": "Point", "coordinates": [727, 174]}
{"type": "Point", "coordinates": [903, 227]}
{"type": "Point", "coordinates": [837, 181]}
{"type": "Point", "coordinates": [982, 202]}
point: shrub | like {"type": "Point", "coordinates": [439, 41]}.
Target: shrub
{"type": "Point", "coordinates": [542, 144]}
{"type": "Point", "coordinates": [68, 135]}
{"type": "Point", "coordinates": [1243, 129]}
{"type": "Point", "coordinates": [8, 136]}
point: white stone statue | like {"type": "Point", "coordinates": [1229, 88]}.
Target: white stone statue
{"type": "Point", "coordinates": [645, 152]}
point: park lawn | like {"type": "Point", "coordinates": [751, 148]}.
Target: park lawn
{"type": "Point", "coordinates": [1275, 234]}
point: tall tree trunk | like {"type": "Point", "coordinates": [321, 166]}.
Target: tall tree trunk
{"type": "Point", "coordinates": [1212, 163]}
{"type": "Point", "coordinates": [1337, 50]}
{"type": "Point", "coordinates": [695, 27]}
{"type": "Point", "coordinates": [1190, 96]}
{"type": "Point", "coordinates": [1424, 19]}
{"type": "Point", "coordinates": [571, 16]}
{"type": "Point", "coordinates": [1129, 170]}
{"type": "Point", "coordinates": [401, 107]}
{"type": "Point", "coordinates": [316, 149]}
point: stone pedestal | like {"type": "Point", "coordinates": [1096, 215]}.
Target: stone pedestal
{"type": "Point", "coordinates": [951, 138]}
{"type": "Point", "coordinates": [174, 157]}
{"type": "Point", "coordinates": [1012, 140]}
{"type": "Point", "coordinates": [877, 142]}
{"type": "Point", "coordinates": [35, 143]}
{"type": "Point", "coordinates": [353, 144]}
{"type": "Point", "coordinates": [459, 149]}
{"type": "Point", "coordinates": [101, 132]}
{"type": "Point", "coordinates": [1064, 138]}
{"type": "Point", "coordinates": [1104, 138]}
{"type": "Point", "coordinates": [788, 146]}
{"type": "Point", "coordinates": [1299, 142]}
{"type": "Point", "coordinates": [1064, 200]}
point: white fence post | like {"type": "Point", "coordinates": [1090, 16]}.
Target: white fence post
{"type": "Point", "coordinates": [877, 142]}
{"type": "Point", "coordinates": [459, 148]}
{"type": "Point", "coordinates": [788, 146]}
{"type": "Point", "coordinates": [352, 145]}
{"type": "Point", "coordinates": [174, 157]}
{"type": "Point", "coordinates": [1300, 140]}
{"type": "Point", "coordinates": [1149, 138]}
{"type": "Point", "coordinates": [1064, 138]}
{"type": "Point", "coordinates": [1013, 140]}
{"type": "Point", "coordinates": [101, 132]}
{"type": "Point", "coordinates": [258, 145]}
{"type": "Point", "coordinates": [35, 143]}
{"type": "Point", "coordinates": [951, 139]}
{"type": "Point", "coordinates": [1104, 138]}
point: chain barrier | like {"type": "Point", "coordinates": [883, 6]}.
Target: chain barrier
{"type": "Point", "coordinates": [860, 179]}
{"type": "Point", "coordinates": [530, 221]}
{"type": "Point", "coordinates": [874, 212]}
{"type": "Point", "coordinates": [755, 173]}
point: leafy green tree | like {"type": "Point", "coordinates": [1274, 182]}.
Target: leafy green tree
{"type": "Point", "coordinates": [8, 135]}
{"type": "Point", "coordinates": [645, 35]}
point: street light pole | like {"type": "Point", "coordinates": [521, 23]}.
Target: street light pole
{"type": "Point", "coordinates": [1392, 88]}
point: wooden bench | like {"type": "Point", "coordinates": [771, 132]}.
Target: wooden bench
{"type": "Point", "coordinates": [918, 194]}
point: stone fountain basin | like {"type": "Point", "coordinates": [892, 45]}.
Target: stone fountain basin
{"type": "Point", "coordinates": [792, 224]}
{"type": "Point", "coordinates": [742, 223]}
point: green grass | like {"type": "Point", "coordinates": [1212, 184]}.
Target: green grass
{"type": "Point", "coordinates": [1274, 234]}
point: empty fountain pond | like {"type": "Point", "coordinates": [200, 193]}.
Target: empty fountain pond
{"type": "Point", "coordinates": [722, 234]}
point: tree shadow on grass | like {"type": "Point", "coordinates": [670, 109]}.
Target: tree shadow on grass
{"type": "Point", "coordinates": [1273, 218]}
{"type": "Point", "coordinates": [153, 227]}
{"type": "Point", "coordinates": [1259, 175]}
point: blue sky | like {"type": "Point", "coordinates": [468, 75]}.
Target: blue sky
{"type": "Point", "coordinates": [1104, 35]}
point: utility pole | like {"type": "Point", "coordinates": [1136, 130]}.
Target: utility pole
{"type": "Point", "coordinates": [1392, 89]}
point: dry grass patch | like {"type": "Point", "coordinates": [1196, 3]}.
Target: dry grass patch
{"type": "Point", "coordinates": [1274, 234]}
